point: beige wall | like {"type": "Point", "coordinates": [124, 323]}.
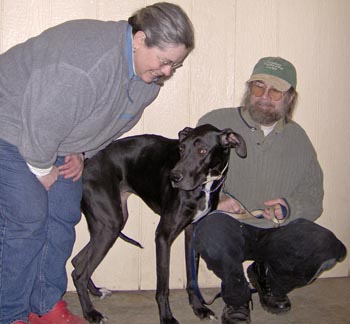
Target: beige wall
{"type": "Point", "coordinates": [231, 35]}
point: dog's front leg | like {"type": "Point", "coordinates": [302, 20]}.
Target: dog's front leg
{"type": "Point", "coordinates": [200, 310]}
{"type": "Point", "coordinates": [163, 246]}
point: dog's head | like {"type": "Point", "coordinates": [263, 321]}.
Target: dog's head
{"type": "Point", "coordinates": [204, 155]}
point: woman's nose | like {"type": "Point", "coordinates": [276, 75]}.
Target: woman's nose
{"type": "Point", "coordinates": [167, 70]}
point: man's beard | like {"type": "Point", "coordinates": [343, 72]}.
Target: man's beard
{"type": "Point", "coordinates": [267, 116]}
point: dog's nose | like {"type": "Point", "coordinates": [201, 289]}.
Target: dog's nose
{"type": "Point", "coordinates": [176, 176]}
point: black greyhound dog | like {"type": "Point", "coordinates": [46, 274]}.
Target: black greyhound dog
{"type": "Point", "coordinates": [178, 179]}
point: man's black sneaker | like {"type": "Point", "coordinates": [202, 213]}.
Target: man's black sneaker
{"type": "Point", "coordinates": [270, 302]}
{"type": "Point", "coordinates": [236, 314]}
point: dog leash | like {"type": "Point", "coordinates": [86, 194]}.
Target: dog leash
{"type": "Point", "coordinates": [257, 213]}
{"type": "Point", "coordinates": [194, 279]}
{"type": "Point", "coordinates": [218, 177]}
{"type": "Point", "coordinates": [214, 178]}
{"type": "Point", "coordinates": [216, 188]}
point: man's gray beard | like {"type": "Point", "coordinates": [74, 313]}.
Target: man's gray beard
{"type": "Point", "coordinates": [264, 117]}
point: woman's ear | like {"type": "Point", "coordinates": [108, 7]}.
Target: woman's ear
{"type": "Point", "coordinates": [139, 39]}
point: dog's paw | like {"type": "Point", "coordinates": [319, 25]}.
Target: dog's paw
{"type": "Point", "coordinates": [95, 317]}
{"type": "Point", "coordinates": [213, 318]}
{"type": "Point", "coordinates": [205, 313]}
{"type": "Point", "coordinates": [104, 321]}
{"type": "Point", "coordinates": [104, 294]}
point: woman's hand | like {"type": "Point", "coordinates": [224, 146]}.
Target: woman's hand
{"type": "Point", "coordinates": [73, 167]}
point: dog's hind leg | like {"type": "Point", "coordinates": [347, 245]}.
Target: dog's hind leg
{"type": "Point", "coordinates": [104, 292]}
{"type": "Point", "coordinates": [105, 222]}
{"type": "Point", "coordinates": [98, 291]}
{"type": "Point", "coordinates": [84, 267]}
{"type": "Point", "coordinates": [93, 289]}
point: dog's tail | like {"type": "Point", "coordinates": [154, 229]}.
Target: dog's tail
{"type": "Point", "coordinates": [130, 240]}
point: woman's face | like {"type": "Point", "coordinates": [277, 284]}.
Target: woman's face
{"type": "Point", "coordinates": [151, 63]}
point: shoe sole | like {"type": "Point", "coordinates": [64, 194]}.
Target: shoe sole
{"type": "Point", "coordinates": [236, 322]}
{"type": "Point", "coordinates": [229, 321]}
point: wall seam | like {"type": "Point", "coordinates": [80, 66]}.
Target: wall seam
{"type": "Point", "coordinates": [1, 25]}
{"type": "Point", "coordinates": [235, 6]}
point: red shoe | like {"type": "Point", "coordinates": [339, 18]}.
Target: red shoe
{"type": "Point", "coordinates": [58, 315]}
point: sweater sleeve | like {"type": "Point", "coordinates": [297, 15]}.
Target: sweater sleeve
{"type": "Point", "coordinates": [307, 199]}
{"type": "Point", "coordinates": [56, 98]}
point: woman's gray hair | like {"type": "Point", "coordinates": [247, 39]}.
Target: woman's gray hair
{"type": "Point", "coordinates": [163, 23]}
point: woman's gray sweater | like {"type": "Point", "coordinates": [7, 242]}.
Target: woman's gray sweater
{"type": "Point", "coordinates": [70, 90]}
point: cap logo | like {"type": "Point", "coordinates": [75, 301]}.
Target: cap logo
{"type": "Point", "coordinates": [273, 66]}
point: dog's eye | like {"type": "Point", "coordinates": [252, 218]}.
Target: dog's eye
{"type": "Point", "coordinates": [202, 151]}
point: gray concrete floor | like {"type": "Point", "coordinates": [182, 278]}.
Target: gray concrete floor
{"type": "Point", "coordinates": [326, 301]}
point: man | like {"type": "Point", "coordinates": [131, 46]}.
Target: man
{"type": "Point", "coordinates": [270, 201]}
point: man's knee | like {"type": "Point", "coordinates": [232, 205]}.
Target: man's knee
{"type": "Point", "coordinates": [218, 237]}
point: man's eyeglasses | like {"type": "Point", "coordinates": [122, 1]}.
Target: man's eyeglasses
{"type": "Point", "coordinates": [258, 89]}
{"type": "Point", "coordinates": [173, 65]}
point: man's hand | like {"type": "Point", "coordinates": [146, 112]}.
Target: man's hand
{"type": "Point", "coordinates": [48, 180]}
{"type": "Point", "coordinates": [73, 166]}
{"type": "Point", "coordinates": [230, 205]}
{"type": "Point", "coordinates": [278, 213]}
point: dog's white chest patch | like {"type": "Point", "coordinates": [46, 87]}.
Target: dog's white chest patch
{"type": "Point", "coordinates": [202, 212]}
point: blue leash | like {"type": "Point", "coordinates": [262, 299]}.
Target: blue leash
{"type": "Point", "coordinates": [194, 276]}
{"type": "Point", "coordinates": [195, 280]}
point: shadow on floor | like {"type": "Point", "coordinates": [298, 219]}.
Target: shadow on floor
{"type": "Point", "coordinates": [326, 301]}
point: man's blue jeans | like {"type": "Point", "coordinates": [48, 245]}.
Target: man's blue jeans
{"type": "Point", "coordinates": [36, 237]}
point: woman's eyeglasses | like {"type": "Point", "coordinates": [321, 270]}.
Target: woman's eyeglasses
{"type": "Point", "coordinates": [258, 89]}
{"type": "Point", "coordinates": [173, 65]}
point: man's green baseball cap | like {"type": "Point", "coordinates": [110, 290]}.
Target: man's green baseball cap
{"type": "Point", "coordinates": [276, 71]}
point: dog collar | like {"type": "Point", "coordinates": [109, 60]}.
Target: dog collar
{"type": "Point", "coordinates": [211, 179]}
{"type": "Point", "coordinates": [218, 177]}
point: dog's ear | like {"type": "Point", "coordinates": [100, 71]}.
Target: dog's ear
{"type": "Point", "coordinates": [185, 132]}
{"type": "Point", "coordinates": [229, 138]}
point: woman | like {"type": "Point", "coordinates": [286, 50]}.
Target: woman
{"type": "Point", "coordinates": [67, 93]}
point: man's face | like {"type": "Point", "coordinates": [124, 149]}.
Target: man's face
{"type": "Point", "coordinates": [266, 104]}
